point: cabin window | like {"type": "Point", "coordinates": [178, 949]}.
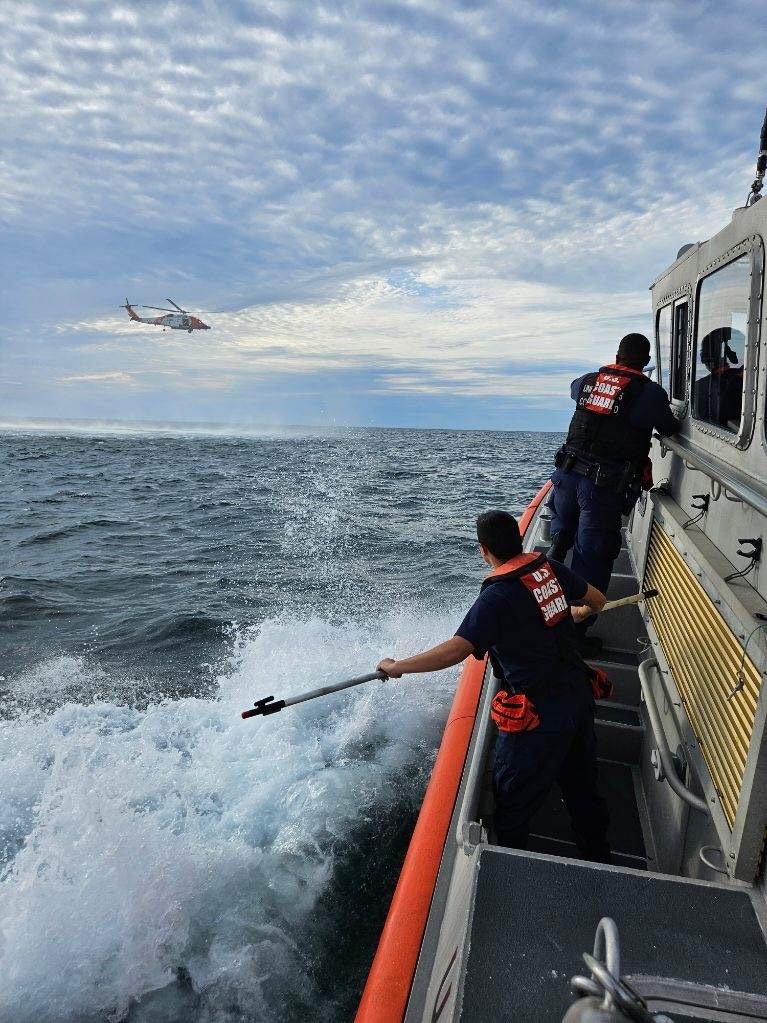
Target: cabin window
{"type": "Point", "coordinates": [678, 382]}
{"type": "Point", "coordinates": [722, 324]}
{"type": "Point", "coordinates": [664, 346]}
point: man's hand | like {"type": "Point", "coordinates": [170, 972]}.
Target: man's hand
{"type": "Point", "coordinates": [389, 667]}
{"type": "Point", "coordinates": [581, 612]}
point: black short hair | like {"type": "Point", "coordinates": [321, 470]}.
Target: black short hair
{"type": "Point", "coordinates": [499, 532]}
{"type": "Point", "coordinates": [634, 351]}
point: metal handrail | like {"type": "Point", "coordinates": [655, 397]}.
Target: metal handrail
{"type": "Point", "coordinates": [473, 788]}
{"type": "Point", "coordinates": [730, 478]}
{"type": "Point", "coordinates": [666, 759]}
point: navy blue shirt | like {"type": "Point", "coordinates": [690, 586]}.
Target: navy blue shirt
{"type": "Point", "coordinates": [505, 619]}
{"type": "Point", "coordinates": [651, 410]}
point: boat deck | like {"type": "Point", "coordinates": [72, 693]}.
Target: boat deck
{"type": "Point", "coordinates": [692, 931]}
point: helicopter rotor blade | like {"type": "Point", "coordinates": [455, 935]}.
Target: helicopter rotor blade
{"type": "Point", "coordinates": [177, 306]}
{"type": "Point", "coordinates": [158, 308]}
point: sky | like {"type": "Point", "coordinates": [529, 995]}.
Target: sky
{"type": "Point", "coordinates": [424, 213]}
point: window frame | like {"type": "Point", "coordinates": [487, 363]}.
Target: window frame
{"type": "Point", "coordinates": [667, 306]}
{"type": "Point", "coordinates": [751, 247]}
{"type": "Point", "coordinates": [684, 343]}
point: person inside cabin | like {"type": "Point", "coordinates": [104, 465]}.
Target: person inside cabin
{"type": "Point", "coordinates": [524, 619]}
{"type": "Point", "coordinates": [719, 394]}
{"type": "Point", "coordinates": [603, 465]}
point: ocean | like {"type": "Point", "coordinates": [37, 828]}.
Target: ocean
{"type": "Point", "coordinates": [162, 859]}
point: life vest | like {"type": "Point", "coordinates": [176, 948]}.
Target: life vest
{"type": "Point", "coordinates": [601, 426]}
{"type": "Point", "coordinates": [515, 712]}
{"type": "Point", "coordinates": [538, 577]}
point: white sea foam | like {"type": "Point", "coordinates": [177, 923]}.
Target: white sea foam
{"type": "Point", "coordinates": [141, 843]}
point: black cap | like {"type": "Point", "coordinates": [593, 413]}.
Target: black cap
{"type": "Point", "coordinates": [634, 349]}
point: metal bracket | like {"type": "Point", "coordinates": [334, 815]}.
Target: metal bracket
{"type": "Point", "coordinates": [657, 764]}
{"type": "Point", "coordinates": [754, 557]}
{"type": "Point", "coordinates": [472, 835]}
{"type": "Point", "coordinates": [700, 505]}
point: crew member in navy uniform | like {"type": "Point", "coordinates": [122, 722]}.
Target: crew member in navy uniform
{"type": "Point", "coordinates": [524, 618]}
{"type": "Point", "coordinates": [603, 465]}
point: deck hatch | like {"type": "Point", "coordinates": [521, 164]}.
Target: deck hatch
{"type": "Point", "coordinates": [704, 656]}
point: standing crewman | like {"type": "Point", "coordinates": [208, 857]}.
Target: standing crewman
{"type": "Point", "coordinates": [603, 465]}
{"type": "Point", "coordinates": [523, 617]}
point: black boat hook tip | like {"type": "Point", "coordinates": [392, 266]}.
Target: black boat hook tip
{"type": "Point", "coordinates": [265, 706]}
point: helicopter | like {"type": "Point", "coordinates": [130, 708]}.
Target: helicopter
{"type": "Point", "coordinates": [176, 318]}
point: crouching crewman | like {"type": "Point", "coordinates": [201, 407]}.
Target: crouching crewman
{"type": "Point", "coordinates": [524, 618]}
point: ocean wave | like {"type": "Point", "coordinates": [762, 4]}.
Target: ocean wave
{"type": "Point", "coordinates": [49, 536]}
{"type": "Point", "coordinates": [180, 628]}
{"type": "Point", "coordinates": [178, 852]}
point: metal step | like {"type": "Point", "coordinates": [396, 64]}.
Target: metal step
{"type": "Point", "coordinates": [551, 832]}
{"type": "Point", "coordinates": [621, 668]}
{"type": "Point", "coordinates": [622, 629]}
{"type": "Point", "coordinates": [622, 564]}
{"type": "Point", "coordinates": [621, 586]}
{"type": "Point", "coordinates": [619, 732]}
{"type": "Point", "coordinates": [559, 847]}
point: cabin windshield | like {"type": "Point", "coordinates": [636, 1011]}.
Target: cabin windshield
{"type": "Point", "coordinates": [723, 299]}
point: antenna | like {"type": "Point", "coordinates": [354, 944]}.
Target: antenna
{"type": "Point", "coordinates": [761, 166]}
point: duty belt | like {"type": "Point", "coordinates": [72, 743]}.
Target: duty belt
{"type": "Point", "coordinates": [617, 477]}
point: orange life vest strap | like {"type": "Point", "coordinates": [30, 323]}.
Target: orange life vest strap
{"type": "Point", "coordinates": [540, 580]}
{"type": "Point", "coordinates": [514, 565]}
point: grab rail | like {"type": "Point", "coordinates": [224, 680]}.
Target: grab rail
{"type": "Point", "coordinates": [731, 479]}
{"type": "Point", "coordinates": [666, 759]}
{"type": "Point", "coordinates": [473, 788]}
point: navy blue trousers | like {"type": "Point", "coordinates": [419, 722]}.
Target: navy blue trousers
{"type": "Point", "coordinates": [526, 767]}
{"type": "Point", "coordinates": [588, 519]}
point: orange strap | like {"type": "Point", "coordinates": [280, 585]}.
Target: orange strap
{"type": "Point", "coordinates": [513, 565]}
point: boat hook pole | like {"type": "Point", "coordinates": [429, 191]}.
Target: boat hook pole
{"type": "Point", "coordinates": [268, 705]}
{"type": "Point", "coordinates": [635, 598]}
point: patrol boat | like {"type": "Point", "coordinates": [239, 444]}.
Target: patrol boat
{"type": "Point", "coordinates": [480, 933]}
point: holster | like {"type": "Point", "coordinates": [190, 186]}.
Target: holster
{"type": "Point", "coordinates": [515, 713]}
{"type": "Point", "coordinates": [564, 459]}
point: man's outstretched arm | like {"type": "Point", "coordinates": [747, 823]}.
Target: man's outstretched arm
{"type": "Point", "coordinates": [451, 652]}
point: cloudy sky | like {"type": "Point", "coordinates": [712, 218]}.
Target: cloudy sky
{"type": "Point", "coordinates": [414, 212]}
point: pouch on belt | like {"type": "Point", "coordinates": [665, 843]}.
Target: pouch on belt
{"type": "Point", "coordinates": [514, 713]}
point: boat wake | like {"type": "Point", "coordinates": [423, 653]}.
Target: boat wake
{"type": "Point", "coordinates": [173, 862]}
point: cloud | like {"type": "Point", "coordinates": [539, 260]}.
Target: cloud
{"type": "Point", "coordinates": [125, 379]}
{"type": "Point", "coordinates": [418, 191]}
